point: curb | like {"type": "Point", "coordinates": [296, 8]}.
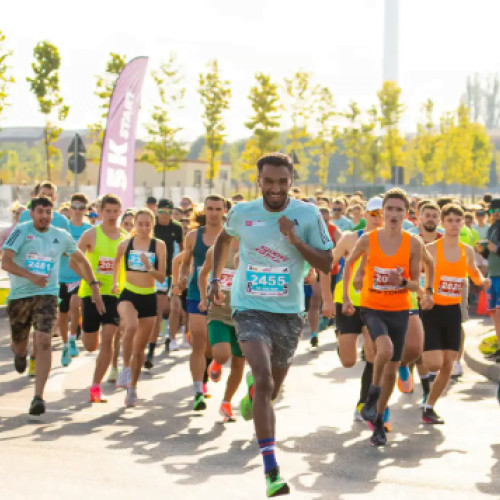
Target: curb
{"type": "Point", "coordinates": [475, 359]}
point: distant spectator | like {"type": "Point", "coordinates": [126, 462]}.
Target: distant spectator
{"type": "Point", "coordinates": [152, 204]}
{"type": "Point", "coordinates": [237, 198]}
{"type": "Point", "coordinates": [16, 209]}
{"type": "Point", "coordinates": [338, 217]}
{"type": "Point", "coordinates": [482, 224]}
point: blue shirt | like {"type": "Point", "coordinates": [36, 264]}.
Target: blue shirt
{"type": "Point", "coordinates": [40, 253]}
{"type": "Point", "coordinates": [66, 274]}
{"type": "Point", "coordinates": [343, 224]}
{"type": "Point", "coordinates": [271, 271]}
{"type": "Point", "coordinates": [58, 220]}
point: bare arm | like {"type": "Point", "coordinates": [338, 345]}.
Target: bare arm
{"type": "Point", "coordinates": [87, 241]}
{"type": "Point", "coordinates": [176, 264]}
{"type": "Point", "coordinates": [117, 263]}
{"type": "Point", "coordinates": [416, 248]}
{"type": "Point", "coordinates": [222, 248]}
{"type": "Point", "coordinates": [203, 279]}
{"type": "Point", "coordinates": [161, 255]}
{"type": "Point", "coordinates": [359, 249]}
{"type": "Point", "coordinates": [474, 272]}
{"type": "Point", "coordinates": [11, 267]}
{"type": "Point", "coordinates": [186, 259]}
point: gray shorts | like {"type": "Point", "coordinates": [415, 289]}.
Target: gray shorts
{"type": "Point", "coordinates": [464, 306]}
{"type": "Point", "coordinates": [279, 331]}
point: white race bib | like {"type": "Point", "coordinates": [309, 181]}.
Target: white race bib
{"type": "Point", "coordinates": [134, 260]}
{"type": "Point", "coordinates": [265, 281]}
{"type": "Point", "coordinates": [450, 287]}
{"type": "Point", "coordinates": [39, 264]}
{"type": "Point", "coordinates": [381, 279]}
{"type": "Point", "coordinates": [105, 265]}
{"type": "Point", "coordinates": [226, 279]}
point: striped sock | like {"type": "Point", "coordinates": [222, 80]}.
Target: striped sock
{"type": "Point", "coordinates": [266, 447]}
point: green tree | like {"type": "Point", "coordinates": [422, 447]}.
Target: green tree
{"type": "Point", "coordinates": [391, 110]}
{"type": "Point", "coordinates": [369, 149]}
{"type": "Point", "coordinates": [482, 156]}
{"type": "Point", "coordinates": [351, 138]}
{"type": "Point", "coordinates": [5, 78]}
{"type": "Point", "coordinates": [164, 151]}
{"type": "Point", "coordinates": [215, 94]}
{"type": "Point", "coordinates": [104, 89]}
{"type": "Point", "coordinates": [248, 162]}
{"type": "Point", "coordinates": [45, 87]}
{"type": "Point", "coordinates": [324, 144]}
{"type": "Point", "coordinates": [301, 97]}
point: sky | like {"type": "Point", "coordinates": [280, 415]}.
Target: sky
{"type": "Point", "coordinates": [340, 42]}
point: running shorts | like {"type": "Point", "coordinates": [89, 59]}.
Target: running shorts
{"type": "Point", "coordinates": [145, 305]}
{"type": "Point", "coordinates": [348, 324]}
{"type": "Point", "coordinates": [219, 332]}
{"type": "Point", "coordinates": [65, 295]}
{"type": "Point", "coordinates": [442, 328]}
{"type": "Point", "coordinates": [92, 320]}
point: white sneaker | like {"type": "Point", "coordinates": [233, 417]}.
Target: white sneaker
{"type": "Point", "coordinates": [185, 344]}
{"type": "Point", "coordinates": [131, 398]}
{"type": "Point", "coordinates": [173, 345]}
{"type": "Point", "coordinates": [457, 369]}
{"type": "Point", "coordinates": [124, 378]}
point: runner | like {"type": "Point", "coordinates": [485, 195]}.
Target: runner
{"type": "Point", "coordinates": [16, 210]}
{"type": "Point", "coordinates": [278, 235]}
{"type": "Point", "coordinates": [198, 241]}
{"type": "Point", "coordinates": [100, 245]}
{"type": "Point", "coordinates": [70, 303]}
{"type": "Point", "coordinates": [31, 255]}
{"type": "Point", "coordinates": [170, 232]}
{"type": "Point", "coordinates": [392, 270]}
{"type": "Point", "coordinates": [145, 262]}
{"type": "Point", "coordinates": [221, 330]}
{"type": "Point", "coordinates": [442, 323]}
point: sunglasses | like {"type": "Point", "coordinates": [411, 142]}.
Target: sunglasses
{"type": "Point", "coordinates": [77, 206]}
{"type": "Point", "coordinates": [480, 212]}
{"type": "Point", "coordinates": [493, 210]}
{"type": "Point", "coordinates": [374, 213]}
{"type": "Point", "coordinates": [166, 211]}
{"type": "Point", "coordinates": [337, 209]}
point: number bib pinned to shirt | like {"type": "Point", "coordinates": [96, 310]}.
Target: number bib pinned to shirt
{"type": "Point", "coordinates": [450, 287]}
{"type": "Point", "coordinates": [226, 279]}
{"type": "Point", "coordinates": [105, 265]}
{"type": "Point", "coordinates": [264, 281]}
{"type": "Point", "coordinates": [381, 279]}
{"type": "Point", "coordinates": [39, 264]}
{"type": "Point", "coordinates": [134, 260]}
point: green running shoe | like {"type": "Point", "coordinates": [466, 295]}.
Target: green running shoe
{"type": "Point", "coordinates": [65, 357]}
{"type": "Point", "coordinates": [73, 349]}
{"type": "Point", "coordinates": [275, 486]}
{"type": "Point", "coordinates": [246, 406]}
{"type": "Point", "coordinates": [199, 402]}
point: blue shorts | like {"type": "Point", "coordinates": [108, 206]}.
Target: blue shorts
{"type": "Point", "coordinates": [494, 293]}
{"type": "Point", "coordinates": [192, 307]}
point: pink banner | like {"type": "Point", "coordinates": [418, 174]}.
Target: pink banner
{"type": "Point", "coordinates": [116, 173]}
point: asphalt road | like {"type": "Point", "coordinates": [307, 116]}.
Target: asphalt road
{"type": "Point", "coordinates": [161, 449]}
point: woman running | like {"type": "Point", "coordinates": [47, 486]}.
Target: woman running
{"type": "Point", "coordinates": [145, 262]}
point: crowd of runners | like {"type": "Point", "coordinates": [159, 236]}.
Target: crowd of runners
{"type": "Point", "coordinates": [234, 281]}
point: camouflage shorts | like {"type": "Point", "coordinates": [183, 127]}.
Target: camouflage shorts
{"type": "Point", "coordinates": [279, 331]}
{"type": "Point", "coordinates": [38, 311]}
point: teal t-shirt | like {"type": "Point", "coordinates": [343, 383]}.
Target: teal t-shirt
{"type": "Point", "coordinates": [58, 220]}
{"type": "Point", "coordinates": [66, 274]}
{"type": "Point", "coordinates": [41, 254]}
{"type": "Point", "coordinates": [271, 271]}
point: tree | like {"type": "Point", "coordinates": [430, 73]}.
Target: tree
{"type": "Point", "coordinates": [370, 147]}
{"type": "Point", "coordinates": [215, 94]}
{"type": "Point", "coordinates": [351, 138]}
{"type": "Point", "coordinates": [492, 103]}
{"type": "Point", "coordinates": [5, 78]}
{"type": "Point", "coordinates": [482, 156]}
{"type": "Point", "coordinates": [104, 89]}
{"type": "Point", "coordinates": [45, 87]}
{"type": "Point", "coordinates": [391, 110]}
{"type": "Point", "coordinates": [164, 151]}
{"type": "Point", "coordinates": [249, 159]}
{"type": "Point", "coordinates": [324, 142]}
{"type": "Point", "coordinates": [301, 98]}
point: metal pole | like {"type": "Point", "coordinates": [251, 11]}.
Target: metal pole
{"type": "Point", "coordinates": [76, 162]}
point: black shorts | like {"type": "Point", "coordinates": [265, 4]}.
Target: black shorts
{"type": "Point", "coordinates": [333, 281]}
{"type": "Point", "coordinates": [442, 328]}
{"type": "Point", "coordinates": [65, 296]}
{"type": "Point", "coordinates": [183, 296]}
{"type": "Point", "coordinates": [348, 324]}
{"type": "Point", "coordinates": [92, 320]}
{"type": "Point", "coordinates": [145, 305]}
{"type": "Point", "coordinates": [391, 323]}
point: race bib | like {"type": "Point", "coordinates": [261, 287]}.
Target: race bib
{"type": "Point", "coordinates": [264, 281]}
{"type": "Point", "coordinates": [105, 265]}
{"type": "Point", "coordinates": [226, 279]}
{"type": "Point", "coordinates": [450, 287]}
{"type": "Point", "coordinates": [162, 287]}
{"type": "Point", "coordinates": [72, 286]}
{"type": "Point", "coordinates": [134, 262]}
{"type": "Point", "coordinates": [381, 279]}
{"type": "Point", "coordinates": [39, 264]}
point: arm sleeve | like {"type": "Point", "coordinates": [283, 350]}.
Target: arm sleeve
{"type": "Point", "coordinates": [317, 234]}
{"type": "Point", "coordinates": [15, 239]}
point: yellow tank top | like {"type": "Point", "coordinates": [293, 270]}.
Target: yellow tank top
{"type": "Point", "coordinates": [354, 295]}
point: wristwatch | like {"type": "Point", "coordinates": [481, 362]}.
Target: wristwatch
{"type": "Point", "coordinates": [94, 282]}
{"type": "Point", "coordinates": [404, 282]}
{"type": "Point", "coordinates": [430, 290]}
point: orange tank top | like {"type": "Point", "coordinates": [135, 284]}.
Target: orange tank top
{"type": "Point", "coordinates": [449, 277]}
{"type": "Point", "coordinates": [376, 293]}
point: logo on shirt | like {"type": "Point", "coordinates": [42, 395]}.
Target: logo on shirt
{"type": "Point", "coordinates": [296, 222]}
{"type": "Point", "coordinates": [29, 237]}
{"type": "Point", "coordinates": [255, 223]}
{"type": "Point", "coordinates": [55, 240]}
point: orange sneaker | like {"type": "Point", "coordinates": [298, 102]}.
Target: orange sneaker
{"type": "Point", "coordinates": [95, 395]}
{"type": "Point", "coordinates": [405, 380]}
{"type": "Point", "coordinates": [206, 394]}
{"type": "Point", "coordinates": [227, 412]}
{"type": "Point", "coordinates": [215, 375]}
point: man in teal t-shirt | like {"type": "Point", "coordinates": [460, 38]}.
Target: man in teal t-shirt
{"type": "Point", "coordinates": [279, 238]}
{"type": "Point", "coordinates": [31, 255]}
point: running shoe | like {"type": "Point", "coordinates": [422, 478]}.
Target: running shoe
{"type": "Point", "coordinates": [174, 346]}
{"type": "Point", "coordinates": [405, 379]}
{"type": "Point", "coordinates": [378, 437]}
{"type": "Point", "coordinates": [429, 416]}
{"type": "Point", "coordinates": [199, 402]}
{"type": "Point", "coordinates": [73, 349]}
{"type": "Point", "coordinates": [385, 418]}
{"type": "Point", "coordinates": [215, 376]}
{"type": "Point", "coordinates": [37, 406]}
{"type": "Point", "coordinates": [246, 406]}
{"type": "Point", "coordinates": [95, 395]}
{"type": "Point", "coordinates": [124, 377]}
{"type": "Point", "coordinates": [369, 410]}
{"type": "Point", "coordinates": [65, 357]}
{"type": "Point", "coordinates": [20, 363]}
{"type": "Point", "coordinates": [457, 370]}
{"type": "Point", "coordinates": [357, 413]}
{"type": "Point", "coordinates": [275, 485]}
{"type": "Point", "coordinates": [206, 394]}
{"type": "Point", "coordinates": [31, 367]}
{"type": "Point", "coordinates": [323, 324]}
{"type": "Point", "coordinates": [148, 364]}
{"type": "Point", "coordinates": [112, 375]}
{"type": "Point", "coordinates": [131, 397]}
{"type": "Point", "coordinates": [227, 412]}
{"type": "Point", "coordinates": [167, 344]}
{"type": "Point", "coordinates": [314, 339]}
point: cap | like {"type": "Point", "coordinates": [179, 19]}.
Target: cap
{"type": "Point", "coordinates": [150, 200]}
{"type": "Point", "coordinates": [495, 203]}
{"type": "Point", "coordinates": [374, 203]}
{"type": "Point", "coordinates": [165, 203]}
